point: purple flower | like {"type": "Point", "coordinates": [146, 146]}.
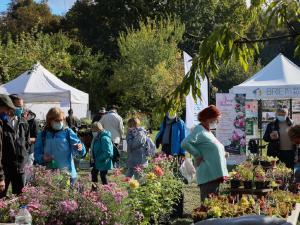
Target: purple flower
{"type": "Point", "coordinates": [68, 206]}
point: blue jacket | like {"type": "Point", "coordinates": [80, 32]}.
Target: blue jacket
{"type": "Point", "coordinates": [60, 145]}
{"type": "Point", "coordinates": [102, 149]}
{"type": "Point", "coordinates": [178, 134]}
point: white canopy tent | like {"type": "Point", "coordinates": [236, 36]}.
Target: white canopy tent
{"type": "Point", "coordinates": [280, 79]}
{"type": "Point", "coordinates": [42, 90]}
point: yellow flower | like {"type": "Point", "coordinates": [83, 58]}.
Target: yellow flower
{"type": "Point", "coordinates": [151, 176]}
{"type": "Point", "coordinates": [215, 212]}
{"type": "Point", "coordinates": [244, 202]}
{"type": "Point", "coordinates": [134, 184]}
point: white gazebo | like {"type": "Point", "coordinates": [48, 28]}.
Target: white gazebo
{"type": "Point", "coordinates": [280, 79]}
{"type": "Point", "coordinates": [42, 90]}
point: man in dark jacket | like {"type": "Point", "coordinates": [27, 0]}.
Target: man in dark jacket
{"type": "Point", "coordinates": [6, 105]}
{"type": "Point", "coordinates": [72, 121]}
{"type": "Point", "coordinates": [15, 148]}
{"type": "Point", "coordinates": [276, 134]}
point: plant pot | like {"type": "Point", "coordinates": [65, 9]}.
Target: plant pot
{"type": "Point", "coordinates": [266, 164]}
{"type": "Point", "coordinates": [266, 184]}
{"type": "Point", "coordinates": [259, 184]}
{"type": "Point", "coordinates": [235, 183]}
{"type": "Point", "coordinates": [273, 163]}
{"type": "Point", "coordinates": [247, 184]}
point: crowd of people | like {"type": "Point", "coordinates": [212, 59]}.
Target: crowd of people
{"type": "Point", "coordinates": [57, 144]}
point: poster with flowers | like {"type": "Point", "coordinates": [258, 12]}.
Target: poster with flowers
{"type": "Point", "coordinates": [231, 129]}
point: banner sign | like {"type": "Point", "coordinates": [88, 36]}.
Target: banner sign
{"type": "Point", "coordinates": [193, 107]}
{"type": "Point", "coordinates": [231, 131]}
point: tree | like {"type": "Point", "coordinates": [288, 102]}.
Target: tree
{"type": "Point", "coordinates": [150, 65]}
{"type": "Point", "coordinates": [228, 42]}
{"type": "Point", "coordinates": [24, 15]}
{"type": "Point", "coordinates": [68, 59]}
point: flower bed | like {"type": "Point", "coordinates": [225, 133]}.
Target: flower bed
{"type": "Point", "coordinates": [51, 200]}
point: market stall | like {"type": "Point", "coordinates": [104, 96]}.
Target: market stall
{"type": "Point", "coordinates": [42, 90]}
{"type": "Point", "coordinates": [278, 80]}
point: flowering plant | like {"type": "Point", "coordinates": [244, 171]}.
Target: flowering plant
{"type": "Point", "coordinates": [158, 190]}
{"type": "Point", "coordinates": [51, 200]}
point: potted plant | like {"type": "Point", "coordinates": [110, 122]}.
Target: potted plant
{"type": "Point", "coordinates": [247, 176]}
{"type": "Point", "coordinates": [260, 178]}
{"type": "Point", "coordinates": [235, 179]}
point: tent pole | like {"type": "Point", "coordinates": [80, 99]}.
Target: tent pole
{"type": "Point", "coordinates": [291, 108]}
{"type": "Point", "coordinates": [260, 126]}
{"type": "Point", "coordinates": [70, 100]}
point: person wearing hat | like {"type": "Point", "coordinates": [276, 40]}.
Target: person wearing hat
{"type": "Point", "coordinates": [113, 123]}
{"type": "Point", "coordinates": [99, 115]}
{"type": "Point", "coordinates": [101, 152]}
{"type": "Point", "coordinates": [6, 105]}
{"type": "Point", "coordinates": [208, 152]}
{"type": "Point", "coordinates": [276, 135]}
{"type": "Point", "coordinates": [171, 134]}
{"type": "Point", "coordinates": [15, 147]}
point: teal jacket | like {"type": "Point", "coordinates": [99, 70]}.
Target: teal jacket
{"type": "Point", "coordinates": [102, 149]}
{"type": "Point", "coordinates": [202, 143]}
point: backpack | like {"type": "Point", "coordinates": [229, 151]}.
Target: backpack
{"type": "Point", "coordinates": [150, 147]}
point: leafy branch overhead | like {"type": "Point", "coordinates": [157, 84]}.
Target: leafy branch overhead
{"type": "Point", "coordinates": [227, 42]}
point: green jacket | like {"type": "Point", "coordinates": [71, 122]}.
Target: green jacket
{"type": "Point", "coordinates": [102, 149]}
{"type": "Point", "coordinates": [202, 143]}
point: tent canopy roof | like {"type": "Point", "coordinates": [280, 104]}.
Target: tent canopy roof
{"type": "Point", "coordinates": [278, 79]}
{"type": "Point", "coordinates": [38, 85]}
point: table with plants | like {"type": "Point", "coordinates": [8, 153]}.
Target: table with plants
{"type": "Point", "coordinates": [258, 186]}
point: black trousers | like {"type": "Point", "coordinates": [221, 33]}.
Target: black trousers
{"type": "Point", "coordinates": [103, 176]}
{"type": "Point", "coordinates": [287, 157]}
{"type": "Point", "coordinates": [17, 180]}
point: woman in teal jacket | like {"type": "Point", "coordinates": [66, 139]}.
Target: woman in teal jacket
{"type": "Point", "coordinates": [102, 151]}
{"type": "Point", "coordinates": [56, 146]}
{"type": "Point", "coordinates": [209, 153]}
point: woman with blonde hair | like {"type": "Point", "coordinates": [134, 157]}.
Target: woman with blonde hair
{"type": "Point", "coordinates": [138, 147]}
{"type": "Point", "coordinates": [102, 153]}
{"type": "Point", "coordinates": [56, 145]}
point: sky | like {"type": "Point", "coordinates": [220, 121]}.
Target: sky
{"type": "Point", "coordinates": [58, 7]}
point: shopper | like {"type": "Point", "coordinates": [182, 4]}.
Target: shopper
{"type": "Point", "coordinates": [6, 105]}
{"type": "Point", "coordinates": [137, 147]}
{"type": "Point", "coordinates": [113, 123]}
{"type": "Point", "coordinates": [99, 115]}
{"type": "Point", "coordinates": [208, 152]}
{"type": "Point", "coordinates": [72, 121]}
{"type": "Point", "coordinates": [16, 145]}
{"type": "Point", "coordinates": [56, 145]}
{"type": "Point", "coordinates": [276, 135]}
{"type": "Point", "coordinates": [171, 134]}
{"type": "Point", "coordinates": [102, 153]}
{"type": "Point", "coordinates": [294, 135]}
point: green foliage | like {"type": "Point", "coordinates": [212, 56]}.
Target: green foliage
{"type": "Point", "coordinates": [150, 65]}
{"type": "Point", "coordinates": [66, 58]}
{"type": "Point", "coordinates": [231, 75]}
{"type": "Point", "coordinates": [24, 15]}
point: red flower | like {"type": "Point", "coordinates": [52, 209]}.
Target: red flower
{"type": "Point", "coordinates": [158, 171]}
{"type": "Point", "coordinates": [126, 179]}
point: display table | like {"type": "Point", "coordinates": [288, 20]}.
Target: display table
{"type": "Point", "coordinates": [257, 192]}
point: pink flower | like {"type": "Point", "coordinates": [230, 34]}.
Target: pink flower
{"type": "Point", "coordinates": [117, 172]}
{"type": "Point", "coordinates": [235, 136]}
{"type": "Point", "coordinates": [138, 169]}
{"type": "Point", "coordinates": [243, 142]}
{"type": "Point", "coordinates": [68, 206]}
